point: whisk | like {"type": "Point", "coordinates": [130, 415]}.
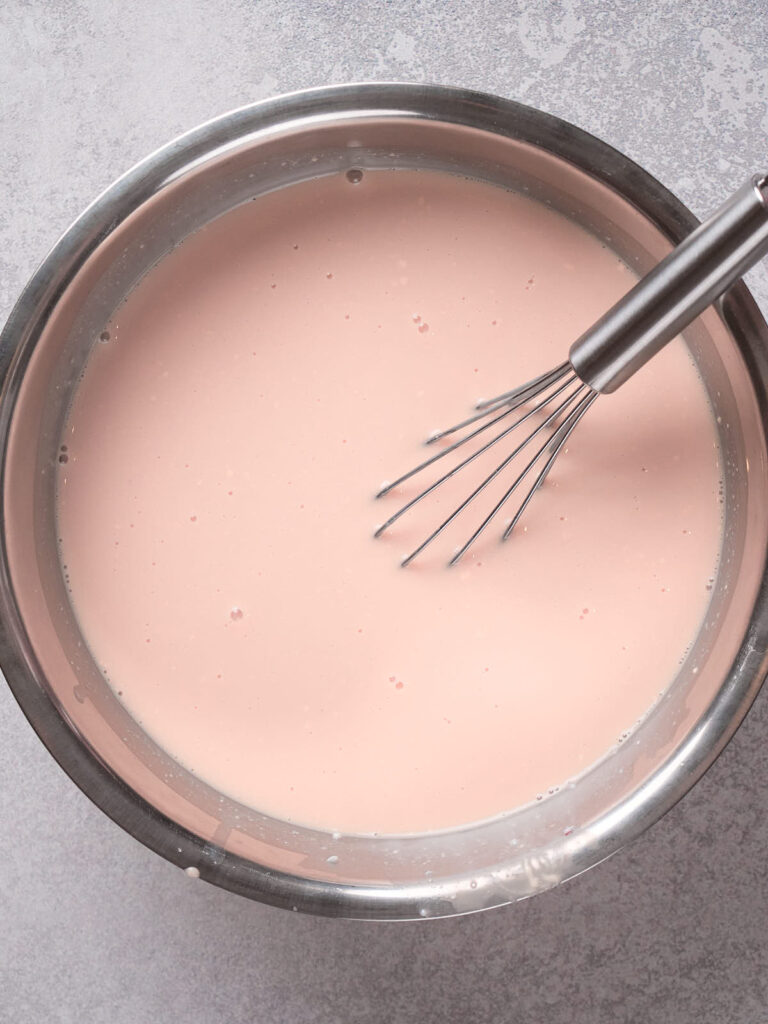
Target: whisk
{"type": "Point", "coordinates": [694, 274]}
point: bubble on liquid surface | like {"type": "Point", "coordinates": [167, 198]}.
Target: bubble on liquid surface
{"type": "Point", "coordinates": [192, 872]}
{"type": "Point", "coordinates": [236, 614]}
{"type": "Point", "coordinates": [354, 175]}
{"type": "Point", "coordinates": [333, 859]}
{"type": "Point", "coordinates": [104, 337]}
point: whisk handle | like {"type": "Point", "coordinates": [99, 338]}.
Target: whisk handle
{"type": "Point", "coordinates": [694, 274]}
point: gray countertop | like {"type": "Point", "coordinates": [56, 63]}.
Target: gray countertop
{"type": "Point", "coordinates": [93, 927]}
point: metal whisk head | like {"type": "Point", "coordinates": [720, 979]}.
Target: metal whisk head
{"type": "Point", "coordinates": [555, 402]}
{"type": "Point", "coordinates": [659, 306]}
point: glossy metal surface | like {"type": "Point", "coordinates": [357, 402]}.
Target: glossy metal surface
{"type": "Point", "coordinates": [699, 270]}
{"type": "Point", "coordinates": [654, 312]}
{"type": "Point", "coordinates": [43, 349]}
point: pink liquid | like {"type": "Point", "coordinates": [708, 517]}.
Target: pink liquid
{"type": "Point", "coordinates": [216, 509]}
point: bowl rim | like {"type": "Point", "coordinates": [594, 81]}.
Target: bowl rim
{"type": "Point", "coordinates": [439, 103]}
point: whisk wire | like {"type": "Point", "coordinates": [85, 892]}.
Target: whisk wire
{"type": "Point", "coordinates": [536, 385]}
{"type": "Point", "coordinates": [559, 409]}
{"type": "Point", "coordinates": [510, 400]}
{"type": "Point", "coordinates": [559, 438]}
{"type": "Point", "coordinates": [555, 445]}
{"type": "Point", "coordinates": [470, 458]}
{"type": "Point", "coordinates": [390, 486]}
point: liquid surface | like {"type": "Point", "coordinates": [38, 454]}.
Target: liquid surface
{"type": "Point", "coordinates": [216, 509]}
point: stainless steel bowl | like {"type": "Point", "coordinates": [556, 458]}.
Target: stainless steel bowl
{"type": "Point", "coordinates": [43, 350]}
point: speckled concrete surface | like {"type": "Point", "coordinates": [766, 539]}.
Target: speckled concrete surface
{"type": "Point", "coordinates": [94, 928]}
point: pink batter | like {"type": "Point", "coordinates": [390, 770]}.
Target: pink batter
{"type": "Point", "coordinates": [216, 509]}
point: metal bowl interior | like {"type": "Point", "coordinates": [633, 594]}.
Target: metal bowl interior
{"type": "Point", "coordinates": [43, 351]}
